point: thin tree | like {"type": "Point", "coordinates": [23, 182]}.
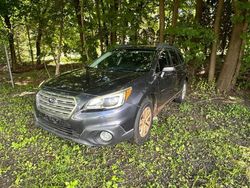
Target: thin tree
{"type": "Point", "coordinates": [29, 41]}
{"type": "Point", "coordinates": [18, 49]}
{"type": "Point", "coordinates": [215, 42]}
{"type": "Point", "coordinates": [97, 5]}
{"type": "Point", "coordinates": [11, 40]}
{"type": "Point", "coordinates": [105, 29]}
{"type": "Point", "coordinates": [174, 19]}
{"type": "Point", "coordinates": [232, 62]}
{"type": "Point", "coordinates": [114, 12]}
{"type": "Point", "coordinates": [38, 43]}
{"type": "Point", "coordinates": [198, 11]}
{"type": "Point", "coordinates": [7, 11]}
{"type": "Point", "coordinates": [80, 20]}
{"type": "Point", "coordinates": [162, 21]}
{"type": "Point", "coordinates": [60, 38]}
{"type": "Point", "coordinates": [41, 19]}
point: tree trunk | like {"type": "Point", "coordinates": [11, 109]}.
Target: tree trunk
{"type": "Point", "coordinates": [84, 37]}
{"type": "Point", "coordinates": [18, 50]}
{"type": "Point", "coordinates": [30, 45]}
{"type": "Point", "coordinates": [38, 44]}
{"type": "Point", "coordinates": [11, 41]}
{"type": "Point", "coordinates": [79, 15]}
{"type": "Point", "coordinates": [198, 11]}
{"type": "Point", "coordinates": [105, 29]}
{"type": "Point", "coordinates": [236, 74]}
{"type": "Point", "coordinates": [41, 24]}
{"type": "Point", "coordinates": [174, 19]}
{"type": "Point", "coordinates": [97, 2]}
{"type": "Point", "coordinates": [229, 70]}
{"type": "Point", "coordinates": [114, 10]}
{"type": "Point", "coordinates": [162, 21]}
{"type": "Point", "coordinates": [215, 42]}
{"type": "Point", "coordinates": [60, 40]}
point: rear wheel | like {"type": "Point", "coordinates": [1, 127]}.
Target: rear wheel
{"type": "Point", "coordinates": [143, 122]}
{"type": "Point", "coordinates": [182, 96]}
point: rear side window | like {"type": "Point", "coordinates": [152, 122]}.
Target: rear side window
{"type": "Point", "coordinates": [180, 57]}
{"type": "Point", "coordinates": [174, 57]}
{"type": "Point", "coordinates": [164, 61]}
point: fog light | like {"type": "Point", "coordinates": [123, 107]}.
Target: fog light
{"type": "Point", "coordinates": [106, 136]}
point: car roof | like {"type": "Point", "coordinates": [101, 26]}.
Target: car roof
{"type": "Point", "coordinates": [134, 47]}
{"type": "Point", "coordinates": [143, 47]}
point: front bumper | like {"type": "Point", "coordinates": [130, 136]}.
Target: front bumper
{"type": "Point", "coordinates": [85, 127]}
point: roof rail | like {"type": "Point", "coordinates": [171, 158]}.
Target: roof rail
{"type": "Point", "coordinates": [163, 45]}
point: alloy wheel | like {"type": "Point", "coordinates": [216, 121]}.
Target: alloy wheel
{"type": "Point", "coordinates": [145, 122]}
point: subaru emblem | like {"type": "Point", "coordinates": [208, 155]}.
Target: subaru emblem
{"type": "Point", "coordinates": [52, 100]}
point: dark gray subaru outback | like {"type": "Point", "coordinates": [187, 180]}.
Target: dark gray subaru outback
{"type": "Point", "coordinates": [115, 98]}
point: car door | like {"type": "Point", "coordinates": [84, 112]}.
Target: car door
{"type": "Point", "coordinates": [178, 65]}
{"type": "Point", "coordinates": [166, 80]}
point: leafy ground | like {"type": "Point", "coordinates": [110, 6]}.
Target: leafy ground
{"type": "Point", "coordinates": [204, 142]}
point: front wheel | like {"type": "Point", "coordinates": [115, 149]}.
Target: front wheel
{"type": "Point", "coordinates": [182, 96]}
{"type": "Point", "coordinates": [143, 122]}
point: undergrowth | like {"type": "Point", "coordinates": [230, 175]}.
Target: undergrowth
{"type": "Point", "coordinates": [204, 142]}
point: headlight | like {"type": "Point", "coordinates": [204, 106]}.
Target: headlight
{"type": "Point", "coordinates": [109, 101]}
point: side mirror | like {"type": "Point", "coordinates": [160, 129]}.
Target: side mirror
{"type": "Point", "coordinates": [167, 70]}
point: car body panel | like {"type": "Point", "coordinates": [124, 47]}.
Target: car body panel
{"type": "Point", "coordinates": [84, 126]}
{"type": "Point", "coordinates": [91, 81]}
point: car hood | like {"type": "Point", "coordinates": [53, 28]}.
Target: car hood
{"type": "Point", "coordinates": [91, 81]}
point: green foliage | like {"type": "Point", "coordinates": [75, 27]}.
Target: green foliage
{"type": "Point", "coordinates": [8, 7]}
{"type": "Point", "coordinates": [201, 143]}
{"type": "Point", "coordinates": [193, 40]}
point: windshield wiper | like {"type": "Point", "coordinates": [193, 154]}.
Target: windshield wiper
{"type": "Point", "coordinates": [120, 69]}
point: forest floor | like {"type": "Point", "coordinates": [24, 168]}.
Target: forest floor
{"type": "Point", "coordinates": [204, 141]}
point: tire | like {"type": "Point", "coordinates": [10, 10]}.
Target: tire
{"type": "Point", "coordinates": [143, 123]}
{"type": "Point", "coordinates": [182, 96]}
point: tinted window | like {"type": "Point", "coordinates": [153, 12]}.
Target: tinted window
{"type": "Point", "coordinates": [127, 60]}
{"type": "Point", "coordinates": [174, 57]}
{"type": "Point", "coordinates": [180, 57]}
{"type": "Point", "coordinates": [163, 61]}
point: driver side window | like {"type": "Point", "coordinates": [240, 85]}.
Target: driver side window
{"type": "Point", "coordinates": [163, 61]}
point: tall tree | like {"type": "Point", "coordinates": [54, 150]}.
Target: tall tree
{"type": "Point", "coordinates": [61, 26]}
{"type": "Point", "coordinates": [215, 42]}
{"type": "Point", "coordinates": [11, 40]}
{"type": "Point", "coordinates": [18, 48]}
{"type": "Point", "coordinates": [80, 20]}
{"type": "Point", "coordinates": [114, 12]}
{"type": "Point", "coordinates": [162, 21]}
{"type": "Point", "coordinates": [7, 11]}
{"type": "Point", "coordinates": [198, 11]}
{"type": "Point", "coordinates": [97, 5]}
{"type": "Point", "coordinates": [236, 74]}
{"type": "Point", "coordinates": [174, 19]}
{"type": "Point", "coordinates": [29, 41]}
{"type": "Point", "coordinates": [105, 28]}
{"type": "Point", "coordinates": [233, 57]}
{"type": "Point", "coordinates": [226, 26]}
{"type": "Point", "coordinates": [41, 9]}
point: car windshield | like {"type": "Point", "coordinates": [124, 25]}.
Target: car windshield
{"type": "Point", "coordinates": [125, 60]}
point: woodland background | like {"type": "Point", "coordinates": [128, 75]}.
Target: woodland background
{"type": "Point", "coordinates": [203, 142]}
{"type": "Point", "coordinates": [213, 35]}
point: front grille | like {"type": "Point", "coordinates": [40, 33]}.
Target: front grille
{"type": "Point", "coordinates": [58, 105]}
